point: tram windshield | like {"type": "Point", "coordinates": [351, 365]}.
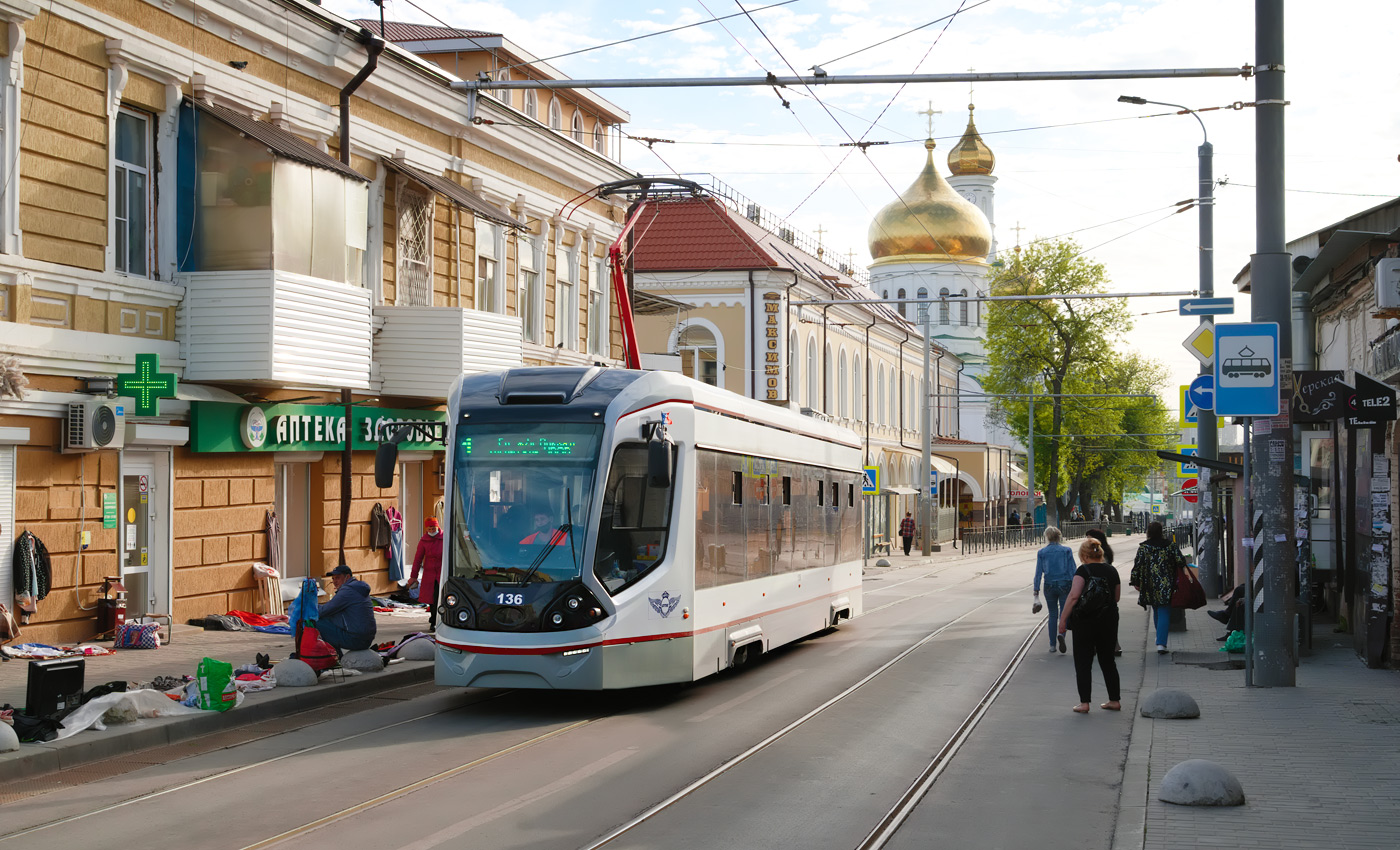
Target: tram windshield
{"type": "Point", "coordinates": [522, 493]}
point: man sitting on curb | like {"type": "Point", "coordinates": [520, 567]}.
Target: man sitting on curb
{"type": "Point", "coordinates": [347, 620]}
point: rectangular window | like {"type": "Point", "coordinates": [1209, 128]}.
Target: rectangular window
{"type": "Point", "coordinates": [787, 490]}
{"type": "Point", "coordinates": [486, 267]}
{"type": "Point", "coordinates": [835, 496]}
{"type": "Point", "coordinates": [415, 246]}
{"type": "Point", "coordinates": [131, 207]}
{"type": "Point", "coordinates": [850, 495]}
{"type": "Point", "coordinates": [526, 306]}
{"type": "Point", "coordinates": [637, 520]}
{"type": "Point", "coordinates": [738, 488]}
{"type": "Point", "coordinates": [566, 298]}
{"type": "Point", "coordinates": [821, 494]}
{"type": "Point", "coordinates": [598, 307]}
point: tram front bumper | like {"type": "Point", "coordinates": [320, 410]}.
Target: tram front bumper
{"type": "Point", "coordinates": [624, 665]}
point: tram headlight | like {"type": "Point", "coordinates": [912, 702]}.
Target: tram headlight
{"type": "Point", "coordinates": [557, 619]}
{"type": "Point", "coordinates": [573, 602]}
{"type": "Point", "coordinates": [451, 600]}
{"type": "Point", "coordinates": [463, 616]}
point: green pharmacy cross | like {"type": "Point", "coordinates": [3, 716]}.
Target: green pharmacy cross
{"type": "Point", "coordinates": [147, 385]}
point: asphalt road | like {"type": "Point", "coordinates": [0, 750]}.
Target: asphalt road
{"type": "Point", "coordinates": [810, 747]}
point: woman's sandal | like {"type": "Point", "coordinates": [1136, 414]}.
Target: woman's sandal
{"type": "Point", "coordinates": [1110, 706]}
{"type": "Point", "coordinates": [1081, 710]}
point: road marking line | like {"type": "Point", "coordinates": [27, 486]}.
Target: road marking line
{"type": "Point", "coordinates": [745, 697]}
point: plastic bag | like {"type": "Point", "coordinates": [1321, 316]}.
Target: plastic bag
{"type": "Point", "coordinates": [217, 691]}
{"type": "Point", "coordinates": [1234, 643]}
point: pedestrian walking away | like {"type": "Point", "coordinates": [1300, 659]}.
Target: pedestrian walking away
{"type": "Point", "coordinates": [1095, 593]}
{"type": "Point", "coordinates": [1098, 535]}
{"type": "Point", "coordinates": [1055, 564]}
{"type": "Point", "coordinates": [906, 531]}
{"type": "Point", "coordinates": [427, 568]}
{"type": "Point", "coordinates": [1154, 576]}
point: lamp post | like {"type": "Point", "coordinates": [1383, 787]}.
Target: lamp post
{"type": "Point", "coordinates": [1207, 445]}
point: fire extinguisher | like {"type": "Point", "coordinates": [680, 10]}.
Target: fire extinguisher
{"type": "Point", "coordinates": [111, 607]}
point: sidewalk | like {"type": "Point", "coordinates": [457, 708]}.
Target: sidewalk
{"type": "Point", "coordinates": [181, 657]}
{"type": "Point", "coordinates": [1317, 761]}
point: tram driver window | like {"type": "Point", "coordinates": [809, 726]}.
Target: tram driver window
{"type": "Point", "coordinates": [636, 521]}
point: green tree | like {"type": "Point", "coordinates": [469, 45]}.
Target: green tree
{"type": "Point", "coordinates": [1055, 349]}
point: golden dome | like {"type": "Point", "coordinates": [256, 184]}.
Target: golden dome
{"type": "Point", "coordinates": [930, 221]}
{"type": "Point", "coordinates": [971, 155]}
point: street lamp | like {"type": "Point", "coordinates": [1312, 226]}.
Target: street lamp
{"type": "Point", "coordinates": [1207, 445]}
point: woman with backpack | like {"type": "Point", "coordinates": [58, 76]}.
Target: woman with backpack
{"type": "Point", "coordinates": [1154, 576]}
{"type": "Point", "coordinates": [1092, 610]}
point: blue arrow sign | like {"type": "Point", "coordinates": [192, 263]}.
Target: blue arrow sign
{"type": "Point", "coordinates": [1202, 392]}
{"type": "Point", "coordinates": [1207, 306]}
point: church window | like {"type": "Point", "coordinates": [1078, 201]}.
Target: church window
{"type": "Point", "coordinates": [903, 305]}
{"type": "Point", "coordinates": [943, 306]}
{"type": "Point", "coordinates": [962, 309]}
{"type": "Point", "coordinates": [842, 386]}
{"type": "Point", "coordinates": [813, 373]}
{"type": "Point", "coordinates": [922, 310]}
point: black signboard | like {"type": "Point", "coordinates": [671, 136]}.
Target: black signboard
{"type": "Point", "coordinates": [1320, 396]}
{"type": "Point", "coordinates": [1372, 404]}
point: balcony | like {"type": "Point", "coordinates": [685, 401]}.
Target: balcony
{"type": "Point", "coordinates": [1385, 356]}
{"type": "Point", "coordinates": [422, 350]}
{"type": "Point", "coordinates": [275, 327]}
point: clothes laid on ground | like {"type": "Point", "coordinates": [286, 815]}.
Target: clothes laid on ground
{"type": "Point", "coordinates": [118, 707]}
{"type": "Point", "coordinates": [258, 619]}
{"type": "Point", "coordinates": [43, 650]}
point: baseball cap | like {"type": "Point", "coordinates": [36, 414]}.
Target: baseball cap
{"type": "Point", "coordinates": [341, 570]}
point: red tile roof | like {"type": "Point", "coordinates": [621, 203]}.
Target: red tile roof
{"type": "Point", "coordinates": [696, 234]}
{"type": "Point", "coordinates": [399, 31]}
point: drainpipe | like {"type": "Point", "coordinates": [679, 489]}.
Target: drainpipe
{"type": "Point", "coordinates": [374, 46]}
{"type": "Point", "coordinates": [753, 342]}
{"type": "Point", "coordinates": [957, 400]}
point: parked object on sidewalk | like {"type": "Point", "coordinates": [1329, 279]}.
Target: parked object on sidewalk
{"type": "Point", "coordinates": [1169, 704]}
{"type": "Point", "coordinates": [268, 585]}
{"type": "Point", "coordinates": [9, 739]}
{"type": "Point", "coordinates": [111, 605]}
{"type": "Point", "coordinates": [314, 652]}
{"type": "Point", "coordinates": [1234, 643]}
{"type": "Point", "coordinates": [363, 660]}
{"type": "Point", "coordinates": [294, 673]}
{"type": "Point", "coordinates": [9, 627]}
{"type": "Point", "coordinates": [120, 708]}
{"type": "Point", "coordinates": [1188, 593]}
{"type": "Point", "coordinates": [137, 636]}
{"type": "Point", "coordinates": [53, 686]}
{"type": "Point", "coordinates": [216, 689]}
{"type": "Point", "coordinates": [1200, 782]}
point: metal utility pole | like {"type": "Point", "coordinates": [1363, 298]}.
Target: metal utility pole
{"type": "Point", "coordinates": [925, 498]}
{"type": "Point", "coordinates": [1207, 437]}
{"type": "Point", "coordinates": [1273, 652]}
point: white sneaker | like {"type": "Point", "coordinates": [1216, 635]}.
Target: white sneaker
{"type": "Point", "coordinates": [1052, 650]}
{"type": "Point", "coordinates": [1161, 649]}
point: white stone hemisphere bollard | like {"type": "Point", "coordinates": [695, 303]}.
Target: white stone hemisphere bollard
{"type": "Point", "coordinates": [421, 649]}
{"type": "Point", "coordinates": [364, 660]}
{"type": "Point", "coordinates": [883, 562]}
{"type": "Point", "coordinates": [294, 673]}
{"type": "Point", "coordinates": [1199, 782]}
{"type": "Point", "coordinates": [1169, 704]}
{"type": "Point", "coordinates": [9, 741]}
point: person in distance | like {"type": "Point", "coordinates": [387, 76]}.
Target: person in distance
{"type": "Point", "coordinates": [427, 568]}
{"type": "Point", "coordinates": [1154, 576]}
{"type": "Point", "coordinates": [1098, 535]}
{"type": "Point", "coordinates": [1055, 563]}
{"type": "Point", "coordinates": [1095, 592]}
{"type": "Point", "coordinates": [906, 531]}
{"type": "Point", "coordinates": [346, 621]}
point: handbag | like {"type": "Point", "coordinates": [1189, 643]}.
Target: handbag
{"type": "Point", "coordinates": [9, 629]}
{"type": "Point", "coordinates": [137, 636]}
{"type": "Point", "coordinates": [1188, 592]}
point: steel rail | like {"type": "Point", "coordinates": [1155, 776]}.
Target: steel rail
{"type": "Point", "coordinates": [853, 79]}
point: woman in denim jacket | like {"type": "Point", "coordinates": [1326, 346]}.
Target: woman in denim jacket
{"type": "Point", "coordinates": [1055, 563]}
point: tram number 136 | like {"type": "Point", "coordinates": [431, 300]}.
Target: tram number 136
{"type": "Point", "coordinates": [510, 599]}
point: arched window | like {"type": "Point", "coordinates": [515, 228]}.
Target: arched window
{"type": "Point", "coordinates": [532, 104]}
{"type": "Point", "coordinates": [794, 385]}
{"type": "Point", "coordinates": [699, 353]}
{"type": "Point", "coordinates": [903, 305]}
{"type": "Point", "coordinates": [578, 129]}
{"type": "Point", "coordinates": [857, 384]}
{"type": "Point", "coordinates": [843, 387]}
{"type": "Point", "coordinates": [556, 114]}
{"type": "Point", "coordinates": [880, 417]}
{"type": "Point", "coordinates": [813, 373]}
{"type": "Point", "coordinates": [828, 404]}
{"type": "Point", "coordinates": [600, 138]}
{"type": "Point", "coordinates": [503, 94]}
{"type": "Point", "coordinates": [962, 309]}
{"type": "Point", "coordinates": [922, 310]}
{"type": "Point", "coordinates": [943, 306]}
{"type": "Point", "coordinates": [890, 416]}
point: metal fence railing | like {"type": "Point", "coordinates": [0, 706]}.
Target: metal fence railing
{"type": "Point", "coordinates": [976, 540]}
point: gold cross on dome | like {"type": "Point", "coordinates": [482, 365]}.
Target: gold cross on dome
{"type": "Point", "coordinates": [969, 84]}
{"type": "Point", "coordinates": [1018, 228]}
{"type": "Point", "coordinates": [930, 112]}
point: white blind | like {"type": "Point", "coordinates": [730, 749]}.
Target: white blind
{"type": "Point", "coordinates": [7, 525]}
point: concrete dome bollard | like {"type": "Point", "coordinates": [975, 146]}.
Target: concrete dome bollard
{"type": "Point", "coordinates": [294, 673]}
{"type": "Point", "coordinates": [1199, 782]}
{"type": "Point", "coordinates": [1169, 704]}
{"type": "Point", "coordinates": [364, 660]}
{"type": "Point", "coordinates": [421, 649]}
{"type": "Point", "coordinates": [9, 740]}
{"type": "Point", "coordinates": [883, 562]}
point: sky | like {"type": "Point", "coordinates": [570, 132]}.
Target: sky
{"type": "Point", "coordinates": [1071, 160]}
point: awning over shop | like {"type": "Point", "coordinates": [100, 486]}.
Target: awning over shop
{"type": "Point", "coordinates": [899, 491]}
{"type": "Point", "coordinates": [454, 192]}
{"type": "Point", "coordinates": [946, 468]}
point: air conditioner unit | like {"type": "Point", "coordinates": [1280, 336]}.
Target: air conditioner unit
{"type": "Point", "coordinates": [94, 425]}
{"type": "Point", "coordinates": [1388, 283]}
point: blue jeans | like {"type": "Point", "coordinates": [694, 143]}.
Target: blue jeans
{"type": "Point", "coordinates": [1056, 592]}
{"type": "Point", "coordinates": [1161, 616]}
{"type": "Point", "coordinates": [333, 634]}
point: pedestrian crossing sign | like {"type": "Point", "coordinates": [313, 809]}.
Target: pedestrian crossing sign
{"type": "Point", "coordinates": [871, 485]}
{"type": "Point", "coordinates": [1186, 470]}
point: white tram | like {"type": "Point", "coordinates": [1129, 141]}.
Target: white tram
{"type": "Point", "coordinates": [610, 528]}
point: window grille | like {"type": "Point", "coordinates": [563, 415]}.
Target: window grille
{"type": "Point", "coordinates": [414, 280]}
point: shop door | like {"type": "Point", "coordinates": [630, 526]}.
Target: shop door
{"type": "Point", "coordinates": [411, 506]}
{"type": "Point", "coordinates": [143, 543]}
{"type": "Point", "coordinates": [293, 505]}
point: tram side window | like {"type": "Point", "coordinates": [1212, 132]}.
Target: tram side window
{"type": "Point", "coordinates": [709, 491]}
{"type": "Point", "coordinates": [787, 489]}
{"type": "Point", "coordinates": [635, 522]}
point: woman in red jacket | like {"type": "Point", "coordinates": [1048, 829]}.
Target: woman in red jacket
{"type": "Point", "coordinates": [427, 568]}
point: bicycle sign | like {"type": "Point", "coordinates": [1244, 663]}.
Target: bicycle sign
{"type": "Point", "coordinates": [1246, 369]}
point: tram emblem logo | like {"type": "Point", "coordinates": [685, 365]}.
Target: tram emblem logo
{"type": "Point", "coordinates": [664, 604]}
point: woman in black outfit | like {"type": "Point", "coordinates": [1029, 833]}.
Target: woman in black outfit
{"type": "Point", "coordinates": [1096, 637]}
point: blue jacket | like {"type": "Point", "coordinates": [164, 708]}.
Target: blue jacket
{"type": "Point", "coordinates": [350, 608]}
{"type": "Point", "coordinates": [1055, 562]}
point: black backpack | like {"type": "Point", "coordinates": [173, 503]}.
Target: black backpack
{"type": "Point", "coordinates": [1094, 599]}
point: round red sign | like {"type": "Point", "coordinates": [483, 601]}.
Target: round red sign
{"type": "Point", "coordinates": [1190, 490]}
